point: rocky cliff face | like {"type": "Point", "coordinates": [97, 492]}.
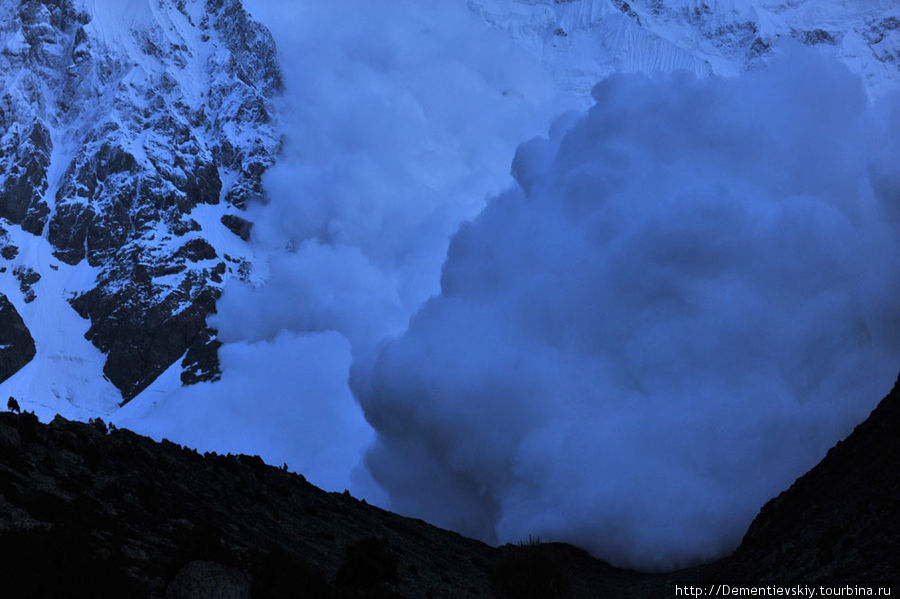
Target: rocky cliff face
{"type": "Point", "coordinates": [16, 344]}
{"type": "Point", "coordinates": [128, 133]}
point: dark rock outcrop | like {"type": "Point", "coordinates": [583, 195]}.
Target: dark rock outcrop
{"type": "Point", "coordinates": [201, 361]}
{"type": "Point", "coordinates": [24, 159]}
{"type": "Point", "coordinates": [196, 250]}
{"type": "Point", "coordinates": [168, 322]}
{"type": "Point", "coordinates": [814, 37]}
{"type": "Point", "coordinates": [9, 252]}
{"type": "Point", "coordinates": [238, 225]}
{"type": "Point", "coordinates": [16, 344]}
{"type": "Point", "coordinates": [27, 278]}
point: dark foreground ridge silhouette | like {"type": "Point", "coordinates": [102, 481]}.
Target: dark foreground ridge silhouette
{"type": "Point", "coordinates": [88, 511]}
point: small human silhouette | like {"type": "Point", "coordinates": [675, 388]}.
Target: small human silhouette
{"type": "Point", "coordinates": [12, 405]}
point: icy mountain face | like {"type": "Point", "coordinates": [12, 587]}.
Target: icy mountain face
{"type": "Point", "coordinates": [583, 40]}
{"type": "Point", "coordinates": [132, 135]}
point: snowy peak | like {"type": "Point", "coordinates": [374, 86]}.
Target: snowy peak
{"type": "Point", "coordinates": [117, 120]}
{"type": "Point", "coordinates": [583, 40]}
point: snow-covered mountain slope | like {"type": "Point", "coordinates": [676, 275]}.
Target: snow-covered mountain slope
{"type": "Point", "coordinates": [131, 135]}
{"type": "Point", "coordinates": [583, 40]}
{"type": "Point", "coordinates": [68, 368]}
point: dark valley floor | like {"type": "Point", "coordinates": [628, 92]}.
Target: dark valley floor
{"type": "Point", "coordinates": [88, 511]}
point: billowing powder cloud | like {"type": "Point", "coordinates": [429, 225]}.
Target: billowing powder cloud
{"type": "Point", "coordinates": [684, 299]}
{"type": "Point", "coordinates": [689, 296]}
{"type": "Point", "coordinates": [400, 119]}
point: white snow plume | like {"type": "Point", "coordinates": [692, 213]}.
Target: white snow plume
{"type": "Point", "coordinates": [688, 298]}
{"type": "Point", "coordinates": [400, 121]}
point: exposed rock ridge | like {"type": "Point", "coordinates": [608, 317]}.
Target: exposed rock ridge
{"type": "Point", "coordinates": [16, 344]}
{"type": "Point", "coordinates": [116, 122]}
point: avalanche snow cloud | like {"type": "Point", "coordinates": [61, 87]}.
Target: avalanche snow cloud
{"type": "Point", "coordinates": [400, 120]}
{"type": "Point", "coordinates": [688, 297]}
